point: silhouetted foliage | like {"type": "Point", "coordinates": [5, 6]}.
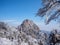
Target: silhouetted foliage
{"type": "Point", "coordinates": [50, 10]}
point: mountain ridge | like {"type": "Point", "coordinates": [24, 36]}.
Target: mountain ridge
{"type": "Point", "coordinates": [29, 35]}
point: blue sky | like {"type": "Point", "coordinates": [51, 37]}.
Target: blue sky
{"type": "Point", "coordinates": [19, 9]}
{"type": "Point", "coordinates": [15, 11]}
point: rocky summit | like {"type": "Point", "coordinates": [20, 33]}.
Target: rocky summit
{"type": "Point", "coordinates": [28, 33]}
{"type": "Point", "coordinates": [29, 27]}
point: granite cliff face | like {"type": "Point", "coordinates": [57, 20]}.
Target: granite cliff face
{"type": "Point", "coordinates": [28, 33]}
{"type": "Point", "coordinates": [29, 27]}
{"type": "Point", "coordinates": [32, 30]}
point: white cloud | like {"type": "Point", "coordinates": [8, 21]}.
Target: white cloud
{"type": "Point", "coordinates": [12, 22]}
{"type": "Point", "coordinates": [49, 27]}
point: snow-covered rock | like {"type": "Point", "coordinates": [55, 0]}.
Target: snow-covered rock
{"type": "Point", "coordinates": [4, 41]}
{"type": "Point", "coordinates": [27, 33]}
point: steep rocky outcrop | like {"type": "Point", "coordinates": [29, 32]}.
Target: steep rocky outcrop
{"type": "Point", "coordinates": [29, 27]}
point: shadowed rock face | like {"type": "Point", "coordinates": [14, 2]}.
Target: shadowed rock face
{"type": "Point", "coordinates": [3, 25]}
{"type": "Point", "coordinates": [29, 27]}
{"type": "Point", "coordinates": [55, 37]}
